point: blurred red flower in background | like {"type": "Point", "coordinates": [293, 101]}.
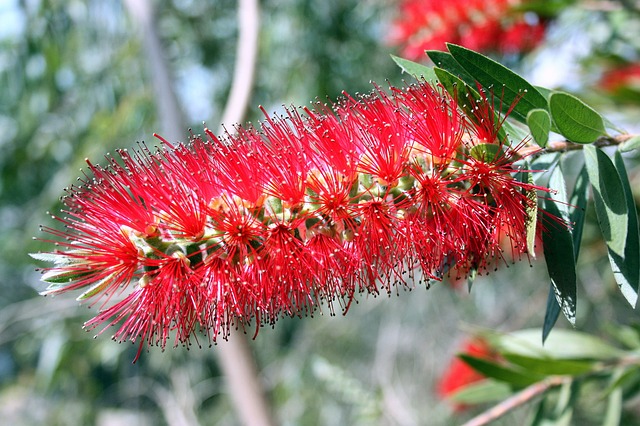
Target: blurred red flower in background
{"type": "Point", "coordinates": [459, 374]}
{"type": "Point", "coordinates": [622, 80]}
{"type": "Point", "coordinates": [482, 25]}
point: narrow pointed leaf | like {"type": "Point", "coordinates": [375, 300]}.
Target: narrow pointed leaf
{"type": "Point", "coordinates": [551, 314]}
{"type": "Point", "coordinates": [415, 69]}
{"type": "Point", "coordinates": [617, 218]}
{"type": "Point", "coordinates": [495, 371]}
{"type": "Point", "coordinates": [466, 95]}
{"type": "Point", "coordinates": [482, 392]}
{"type": "Point", "coordinates": [558, 247]}
{"type": "Point", "coordinates": [96, 288]}
{"type": "Point", "coordinates": [561, 344]}
{"type": "Point", "coordinates": [497, 77]}
{"type": "Point", "coordinates": [614, 401]}
{"type": "Point", "coordinates": [57, 277]}
{"type": "Point", "coordinates": [626, 269]}
{"type": "Point", "coordinates": [549, 366]}
{"type": "Point", "coordinates": [45, 257]}
{"type": "Point", "coordinates": [539, 121]}
{"type": "Point", "coordinates": [577, 209]}
{"type": "Point", "coordinates": [575, 120]}
{"type": "Point", "coordinates": [445, 61]}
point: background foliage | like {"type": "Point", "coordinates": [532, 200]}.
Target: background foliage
{"type": "Point", "coordinates": [74, 84]}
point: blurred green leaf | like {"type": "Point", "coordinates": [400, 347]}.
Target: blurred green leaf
{"type": "Point", "coordinates": [516, 378]}
{"type": "Point", "coordinates": [614, 402]}
{"type": "Point", "coordinates": [560, 413]}
{"type": "Point", "coordinates": [630, 144]}
{"type": "Point", "coordinates": [561, 344]}
{"type": "Point", "coordinates": [625, 378]}
{"type": "Point", "coordinates": [558, 246]}
{"type": "Point", "coordinates": [574, 119]}
{"type": "Point", "coordinates": [415, 69]}
{"type": "Point", "coordinates": [628, 336]}
{"type": "Point", "coordinates": [539, 121]}
{"type": "Point", "coordinates": [495, 76]}
{"type": "Point", "coordinates": [486, 152]}
{"type": "Point", "coordinates": [549, 366]}
{"type": "Point", "coordinates": [618, 226]}
{"type": "Point", "coordinates": [482, 392]}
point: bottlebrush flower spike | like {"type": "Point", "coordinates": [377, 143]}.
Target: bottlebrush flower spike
{"type": "Point", "coordinates": [311, 208]}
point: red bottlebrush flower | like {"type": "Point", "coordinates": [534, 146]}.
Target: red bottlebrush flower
{"type": "Point", "coordinates": [459, 374]}
{"type": "Point", "coordinates": [482, 25]}
{"type": "Point", "coordinates": [244, 228]}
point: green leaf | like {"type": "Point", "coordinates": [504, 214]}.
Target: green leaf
{"type": "Point", "coordinates": [626, 269]}
{"type": "Point", "coordinates": [518, 379]}
{"type": "Point", "coordinates": [551, 314]}
{"type": "Point", "coordinates": [467, 97]}
{"type": "Point", "coordinates": [549, 366]}
{"type": "Point", "coordinates": [544, 92]}
{"type": "Point", "coordinates": [626, 378]}
{"type": "Point", "coordinates": [539, 121]}
{"type": "Point", "coordinates": [617, 218]}
{"type": "Point", "coordinates": [496, 77]}
{"type": "Point", "coordinates": [561, 344]}
{"type": "Point", "coordinates": [558, 246]}
{"type": "Point", "coordinates": [577, 209]}
{"type": "Point", "coordinates": [482, 392]}
{"type": "Point", "coordinates": [487, 152]}
{"type": "Point", "coordinates": [96, 288]}
{"type": "Point", "coordinates": [575, 120]}
{"type": "Point", "coordinates": [45, 257]}
{"type": "Point", "coordinates": [556, 409]}
{"type": "Point", "coordinates": [64, 276]}
{"type": "Point", "coordinates": [630, 144]}
{"type": "Point", "coordinates": [445, 61]}
{"type": "Point", "coordinates": [415, 69]}
{"type": "Point", "coordinates": [628, 336]}
{"type": "Point", "coordinates": [56, 258]}
{"type": "Point", "coordinates": [614, 402]}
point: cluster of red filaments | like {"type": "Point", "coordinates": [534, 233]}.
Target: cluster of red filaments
{"type": "Point", "coordinates": [482, 25]}
{"type": "Point", "coordinates": [310, 209]}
